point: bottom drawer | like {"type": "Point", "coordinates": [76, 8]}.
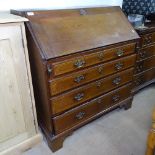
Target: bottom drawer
{"type": "Point", "coordinates": [81, 113]}
{"type": "Point", "coordinates": [144, 77]}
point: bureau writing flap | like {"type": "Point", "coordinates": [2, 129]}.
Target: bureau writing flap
{"type": "Point", "coordinates": [64, 32]}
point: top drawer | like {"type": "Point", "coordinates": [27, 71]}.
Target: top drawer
{"type": "Point", "coordinates": [86, 60]}
{"type": "Point", "coordinates": [147, 39]}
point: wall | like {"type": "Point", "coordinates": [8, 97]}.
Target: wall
{"type": "Point", "coordinates": [54, 4]}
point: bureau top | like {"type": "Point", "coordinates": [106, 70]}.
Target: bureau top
{"type": "Point", "coordinates": [9, 18]}
{"type": "Point", "coordinates": [63, 32]}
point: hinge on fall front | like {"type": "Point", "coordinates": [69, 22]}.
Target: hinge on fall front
{"type": "Point", "coordinates": [49, 69]}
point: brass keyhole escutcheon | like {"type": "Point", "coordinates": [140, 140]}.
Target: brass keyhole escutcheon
{"type": "Point", "coordinates": [119, 65]}
{"type": "Point", "coordinates": [100, 69]}
{"type": "Point", "coordinates": [79, 96]}
{"type": "Point", "coordinates": [100, 56]}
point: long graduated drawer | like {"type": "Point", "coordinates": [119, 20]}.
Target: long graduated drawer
{"type": "Point", "coordinates": [72, 98]}
{"type": "Point", "coordinates": [144, 77]}
{"type": "Point", "coordinates": [145, 64]}
{"type": "Point", "coordinates": [82, 113]}
{"type": "Point", "coordinates": [146, 52]}
{"type": "Point", "coordinates": [61, 84]}
{"type": "Point", "coordinates": [85, 60]}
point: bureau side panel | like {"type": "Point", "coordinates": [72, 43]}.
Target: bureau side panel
{"type": "Point", "coordinates": [38, 69]}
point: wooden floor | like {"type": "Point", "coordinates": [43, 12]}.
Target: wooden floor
{"type": "Point", "coordinates": [118, 133]}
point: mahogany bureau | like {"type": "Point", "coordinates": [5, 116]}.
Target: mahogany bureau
{"type": "Point", "coordinates": [144, 73]}
{"type": "Point", "coordinates": [82, 63]}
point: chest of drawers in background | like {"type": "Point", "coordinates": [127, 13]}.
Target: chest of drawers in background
{"type": "Point", "coordinates": [144, 73]}
{"type": "Point", "coordinates": [82, 66]}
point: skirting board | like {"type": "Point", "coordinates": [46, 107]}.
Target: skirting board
{"type": "Point", "coordinates": [24, 146]}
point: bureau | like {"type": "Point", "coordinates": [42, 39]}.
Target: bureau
{"type": "Point", "coordinates": [82, 63]}
{"type": "Point", "coordinates": [144, 73]}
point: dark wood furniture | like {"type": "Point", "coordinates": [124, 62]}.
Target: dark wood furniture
{"type": "Point", "coordinates": [82, 63]}
{"type": "Point", "coordinates": [144, 73]}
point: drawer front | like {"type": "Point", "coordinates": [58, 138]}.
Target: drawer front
{"type": "Point", "coordinates": [86, 60]}
{"type": "Point", "coordinates": [144, 77]}
{"type": "Point", "coordinates": [82, 113]}
{"type": "Point", "coordinates": [147, 39]}
{"type": "Point", "coordinates": [146, 52]}
{"type": "Point", "coordinates": [61, 84]}
{"type": "Point", "coordinates": [82, 94]}
{"type": "Point", "coordinates": [144, 65]}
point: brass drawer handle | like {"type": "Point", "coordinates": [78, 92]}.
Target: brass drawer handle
{"type": "Point", "coordinates": [139, 68]}
{"type": "Point", "coordinates": [100, 69]}
{"type": "Point", "coordinates": [80, 115]}
{"type": "Point", "coordinates": [101, 56]}
{"type": "Point", "coordinates": [117, 81]}
{"type": "Point", "coordinates": [148, 40]}
{"type": "Point", "coordinates": [142, 54]}
{"type": "Point", "coordinates": [79, 78]}
{"type": "Point", "coordinates": [79, 63]}
{"type": "Point", "coordinates": [119, 65]}
{"type": "Point", "coordinates": [99, 84]}
{"type": "Point", "coordinates": [120, 53]}
{"type": "Point", "coordinates": [99, 101]}
{"type": "Point", "coordinates": [116, 98]}
{"type": "Point", "coordinates": [79, 96]}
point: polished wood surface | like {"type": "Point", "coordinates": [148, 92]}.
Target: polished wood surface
{"type": "Point", "coordinates": [144, 68]}
{"type": "Point", "coordinates": [144, 65]}
{"type": "Point", "coordinates": [59, 36]}
{"type": "Point", "coordinates": [78, 56]}
{"type": "Point", "coordinates": [91, 108]}
{"type": "Point", "coordinates": [146, 52]}
{"type": "Point", "coordinates": [89, 91]}
{"type": "Point", "coordinates": [144, 77]}
{"type": "Point", "coordinates": [40, 83]}
{"type": "Point", "coordinates": [76, 79]}
{"type": "Point", "coordinates": [96, 56]}
{"type": "Point", "coordinates": [148, 39]}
